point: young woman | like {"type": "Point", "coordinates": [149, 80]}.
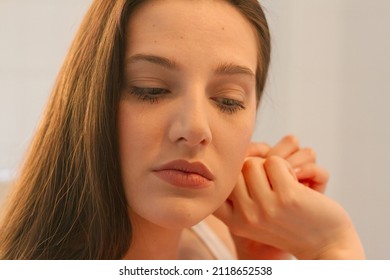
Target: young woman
{"type": "Point", "coordinates": [147, 133]}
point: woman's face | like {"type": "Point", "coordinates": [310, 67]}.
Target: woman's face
{"type": "Point", "coordinates": [188, 108]}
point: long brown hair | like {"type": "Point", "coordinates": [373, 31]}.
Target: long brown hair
{"type": "Point", "coordinates": [69, 202]}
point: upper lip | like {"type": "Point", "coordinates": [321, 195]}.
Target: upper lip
{"type": "Point", "coordinates": [188, 167]}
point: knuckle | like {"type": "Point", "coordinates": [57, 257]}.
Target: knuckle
{"type": "Point", "coordinates": [252, 162]}
{"type": "Point", "coordinates": [311, 154]}
{"type": "Point", "coordinates": [260, 145]}
{"type": "Point", "coordinates": [292, 141]}
{"type": "Point", "coordinates": [271, 160]}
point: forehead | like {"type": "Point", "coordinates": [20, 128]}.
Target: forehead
{"type": "Point", "coordinates": [212, 30]}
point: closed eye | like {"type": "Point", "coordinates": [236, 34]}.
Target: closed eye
{"type": "Point", "coordinates": [228, 105]}
{"type": "Point", "coordinates": [148, 94]}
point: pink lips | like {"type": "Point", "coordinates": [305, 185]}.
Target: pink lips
{"type": "Point", "coordinates": [182, 173]}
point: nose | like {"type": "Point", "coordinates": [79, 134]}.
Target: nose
{"type": "Point", "coordinates": [190, 125]}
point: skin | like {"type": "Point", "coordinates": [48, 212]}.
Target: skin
{"type": "Point", "coordinates": [208, 99]}
{"type": "Point", "coordinates": [196, 101]}
{"type": "Point", "coordinates": [277, 208]}
{"type": "Point", "coordinates": [303, 162]}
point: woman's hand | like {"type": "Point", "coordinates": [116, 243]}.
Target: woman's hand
{"type": "Point", "coordinates": [302, 160]}
{"type": "Point", "coordinates": [270, 206]}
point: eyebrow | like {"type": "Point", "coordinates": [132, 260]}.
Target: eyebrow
{"type": "Point", "coordinates": [222, 69]}
{"type": "Point", "coordinates": [234, 69]}
{"type": "Point", "coordinates": [162, 61]}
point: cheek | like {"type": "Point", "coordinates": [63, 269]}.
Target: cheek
{"type": "Point", "coordinates": [237, 150]}
{"type": "Point", "coordinates": [127, 129]}
{"type": "Point", "coordinates": [233, 143]}
{"type": "Point", "coordinates": [236, 136]}
{"type": "Point", "coordinates": [137, 131]}
{"type": "Point", "coordinates": [133, 138]}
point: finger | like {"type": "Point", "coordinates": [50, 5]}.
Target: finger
{"type": "Point", "coordinates": [302, 156]}
{"type": "Point", "coordinates": [285, 147]}
{"type": "Point", "coordinates": [280, 174]}
{"type": "Point", "coordinates": [258, 150]}
{"type": "Point", "coordinates": [313, 175]}
{"type": "Point", "coordinates": [256, 179]}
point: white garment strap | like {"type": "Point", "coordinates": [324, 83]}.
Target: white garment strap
{"type": "Point", "coordinates": [216, 246]}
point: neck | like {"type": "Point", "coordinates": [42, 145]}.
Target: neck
{"type": "Point", "coordinates": [152, 242]}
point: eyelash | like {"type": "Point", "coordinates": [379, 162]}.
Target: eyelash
{"type": "Point", "coordinates": [148, 94]}
{"type": "Point", "coordinates": [226, 105]}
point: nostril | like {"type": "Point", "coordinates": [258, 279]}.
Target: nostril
{"type": "Point", "coordinates": [193, 138]}
{"type": "Point", "coordinates": [190, 125]}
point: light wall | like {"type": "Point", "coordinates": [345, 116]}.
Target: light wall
{"type": "Point", "coordinates": [34, 38]}
{"type": "Point", "coordinates": [328, 85]}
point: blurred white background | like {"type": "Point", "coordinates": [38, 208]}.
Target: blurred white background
{"type": "Point", "coordinates": [329, 85]}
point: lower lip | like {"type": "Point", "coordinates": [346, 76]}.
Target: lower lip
{"type": "Point", "coordinates": [183, 179]}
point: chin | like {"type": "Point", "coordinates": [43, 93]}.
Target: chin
{"type": "Point", "coordinates": [179, 215]}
